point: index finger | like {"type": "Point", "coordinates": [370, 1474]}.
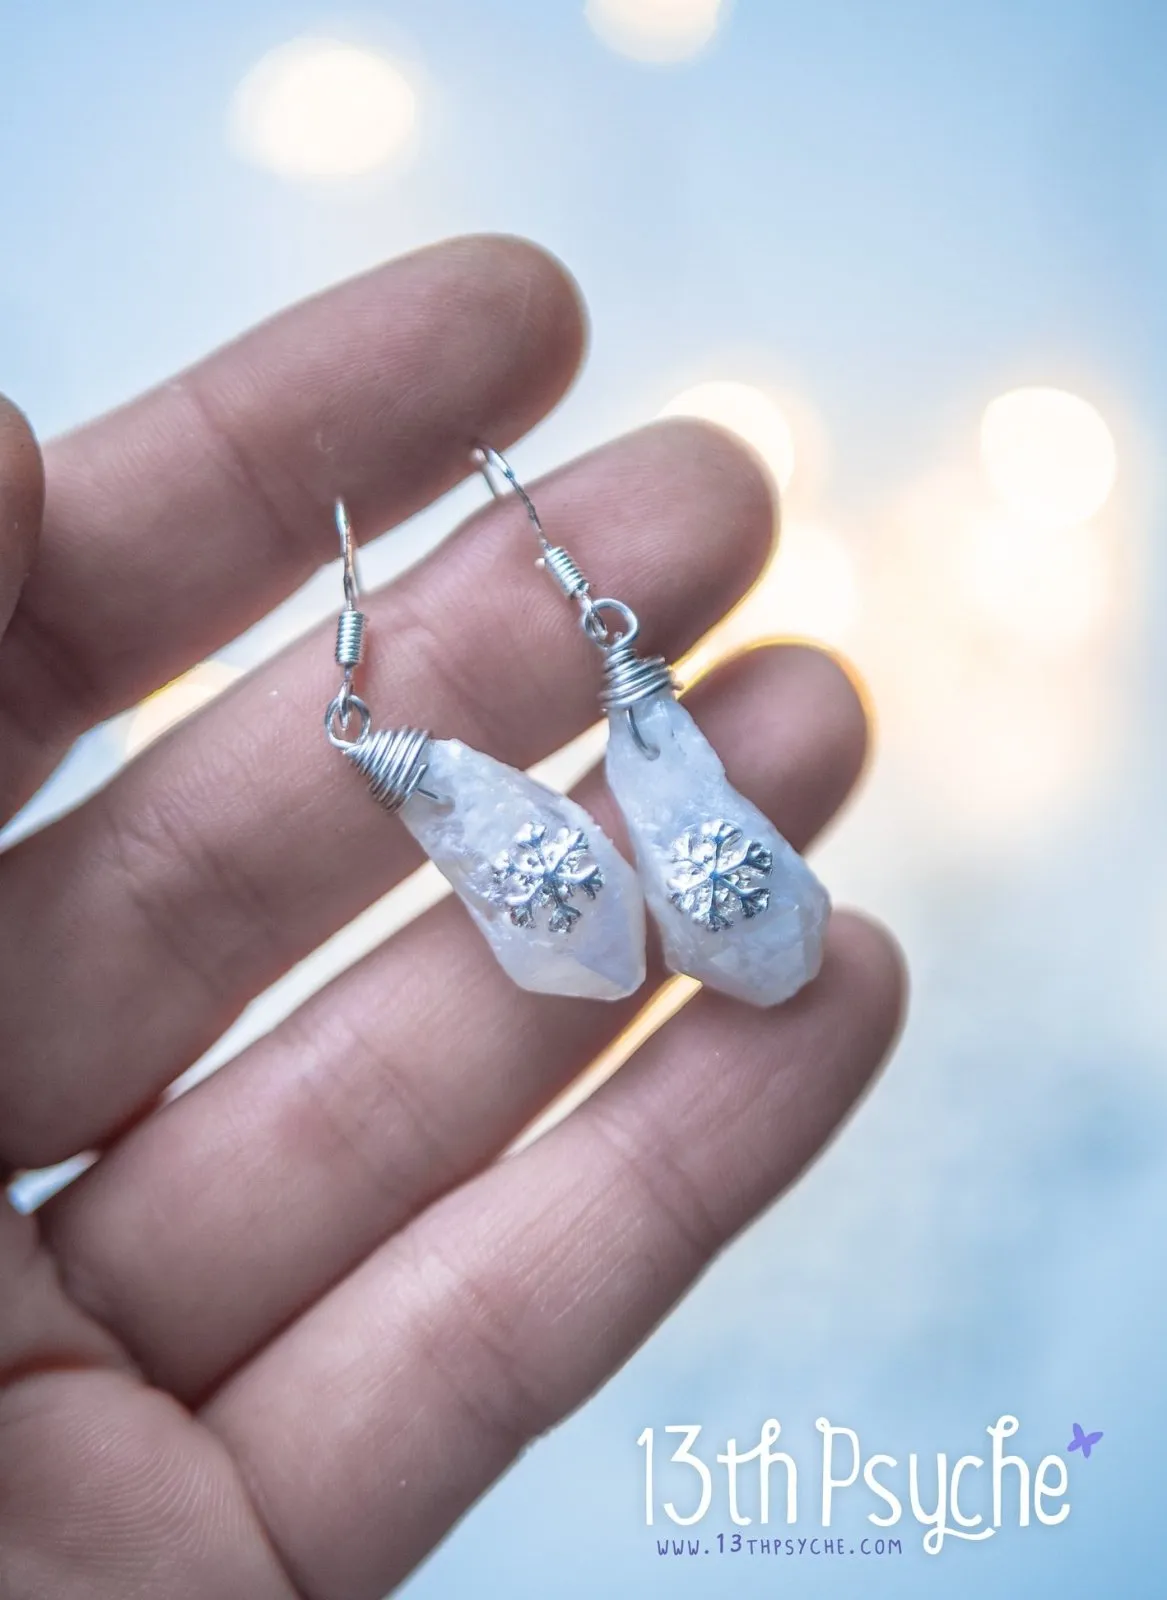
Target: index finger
{"type": "Point", "coordinates": [178, 520]}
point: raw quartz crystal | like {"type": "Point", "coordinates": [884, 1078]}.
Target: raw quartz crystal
{"type": "Point", "coordinates": [737, 905]}
{"type": "Point", "coordinates": [553, 897]}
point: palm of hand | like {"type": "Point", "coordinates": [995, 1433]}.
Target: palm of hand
{"type": "Point", "coordinates": [292, 1323]}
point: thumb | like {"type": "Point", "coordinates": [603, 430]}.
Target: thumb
{"type": "Point", "coordinates": [22, 496]}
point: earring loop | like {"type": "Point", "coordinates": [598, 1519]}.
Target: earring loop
{"type": "Point", "coordinates": [340, 709]}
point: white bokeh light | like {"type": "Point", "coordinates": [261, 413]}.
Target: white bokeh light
{"type": "Point", "coordinates": [656, 30]}
{"type": "Point", "coordinates": [1051, 586]}
{"type": "Point", "coordinates": [752, 414]}
{"type": "Point", "coordinates": [1000, 754]}
{"type": "Point", "coordinates": [1049, 455]}
{"type": "Point", "coordinates": [322, 109]}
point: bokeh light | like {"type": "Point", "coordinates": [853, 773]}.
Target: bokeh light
{"type": "Point", "coordinates": [177, 700]}
{"type": "Point", "coordinates": [809, 590]}
{"type": "Point", "coordinates": [989, 753]}
{"type": "Point", "coordinates": [752, 414]}
{"type": "Point", "coordinates": [1052, 586]}
{"type": "Point", "coordinates": [989, 657]}
{"type": "Point", "coordinates": [1049, 455]}
{"type": "Point", "coordinates": [812, 587]}
{"type": "Point", "coordinates": [656, 30]}
{"type": "Point", "coordinates": [321, 109]}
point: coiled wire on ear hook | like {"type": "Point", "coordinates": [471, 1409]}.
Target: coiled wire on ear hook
{"type": "Point", "coordinates": [629, 678]}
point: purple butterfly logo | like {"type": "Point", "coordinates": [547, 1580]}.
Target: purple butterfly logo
{"type": "Point", "coordinates": [1084, 1442]}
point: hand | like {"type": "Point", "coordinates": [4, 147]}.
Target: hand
{"type": "Point", "coordinates": [293, 1322]}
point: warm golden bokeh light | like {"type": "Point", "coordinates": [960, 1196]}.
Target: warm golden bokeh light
{"type": "Point", "coordinates": [656, 30]}
{"type": "Point", "coordinates": [167, 706]}
{"type": "Point", "coordinates": [751, 413]}
{"type": "Point", "coordinates": [810, 590]}
{"type": "Point", "coordinates": [812, 587]}
{"type": "Point", "coordinates": [317, 108]}
{"type": "Point", "coordinates": [1049, 455]}
{"type": "Point", "coordinates": [986, 641]}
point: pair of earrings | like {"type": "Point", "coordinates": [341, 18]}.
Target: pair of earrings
{"type": "Point", "coordinates": [562, 910]}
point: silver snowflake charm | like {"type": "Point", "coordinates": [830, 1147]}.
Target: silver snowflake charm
{"type": "Point", "coordinates": [717, 870]}
{"type": "Point", "coordinates": [539, 871]}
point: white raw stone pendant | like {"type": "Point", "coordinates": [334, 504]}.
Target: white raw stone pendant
{"type": "Point", "coordinates": [737, 905]}
{"type": "Point", "coordinates": [555, 900]}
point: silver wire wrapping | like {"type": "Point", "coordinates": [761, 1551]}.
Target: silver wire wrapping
{"type": "Point", "coordinates": [630, 678]}
{"type": "Point", "coordinates": [393, 763]}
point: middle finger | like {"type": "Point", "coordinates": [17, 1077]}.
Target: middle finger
{"type": "Point", "coordinates": [137, 928]}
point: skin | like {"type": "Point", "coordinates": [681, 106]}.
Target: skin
{"type": "Point", "coordinates": [291, 1324]}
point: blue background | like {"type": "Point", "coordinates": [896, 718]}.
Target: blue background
{"type": "Point", "coordinates": [894, 212]}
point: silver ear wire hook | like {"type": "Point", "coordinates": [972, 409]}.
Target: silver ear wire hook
{"type": "Point", "coordinates": [393, 762]}
{"type": "Point", "coordinates": [489, 461]}
{"type": "Point", "coordinates": [629, 678]}
{"type": "Point", "coordinates": [350, 643]}
{"type": "Point", "coordinates": [348, 554]}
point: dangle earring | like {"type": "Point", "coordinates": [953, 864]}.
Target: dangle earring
{"type": "Point", "coordinates": [736, 905]}
{"type": "Point", "coordinates": [556, 901]}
